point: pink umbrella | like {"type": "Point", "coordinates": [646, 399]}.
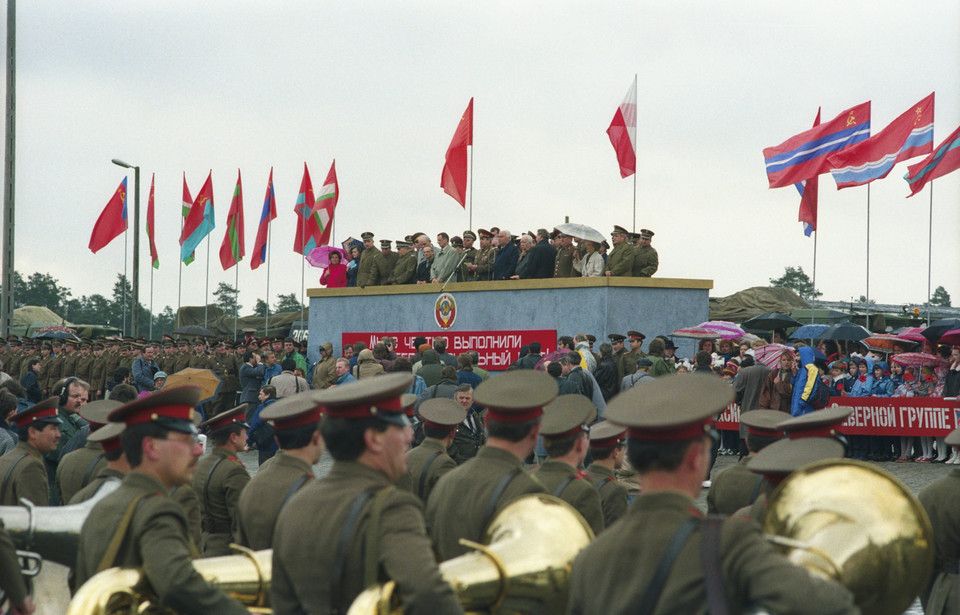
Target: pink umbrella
{"type": "Point", "coordinates": [725, 329]}
{"type": "Point", "coordinates": [320, 257]}
{"type": "Point", "coordinates": [769, 354]}
{"type": "Point", "coordinates": [917, 358]}
{"type": "Point", "coordinates": [913, 334]}
{"type": "Point", "coordinates": [697, 333]}
{"type": "Point", "coordinates": [951, 337]}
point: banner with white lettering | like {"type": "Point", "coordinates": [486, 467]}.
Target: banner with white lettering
{"type": "Point", "coordinates": [882, 416]}
{"type": "Point", "coordinates": [497, 349]}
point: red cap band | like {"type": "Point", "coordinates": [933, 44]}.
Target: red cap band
{"type": "Point", "coordinates": [819, 432]}
{"type": "Point", "coordinates": [27, 417]}
{"type": "Point", "coordinates": [686, 432]}
{"type": "Point", "coordinates": [306, 418]}
{"type": "Point", "coordinates": [148, 415]}
{"type": "Point", "coordinates": [390, 405]}
{"type": "Point", "coordinates": [113, 444]}
{"type": "Point", "coordinates": [569, 432]}
{"type": "Point", "coordinates": [494, 414]}
{"type": "Point", "coordinates": [766, 433]}
{"type": "Point", "coordinates": [439, 427]}
{"type": "Point", "coordinates": [607, 442]}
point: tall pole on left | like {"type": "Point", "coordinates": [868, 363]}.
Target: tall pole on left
{"type": "Point", "coordinates": [135, 309]}
{"type": "Point", "coordinates": [6, 301]}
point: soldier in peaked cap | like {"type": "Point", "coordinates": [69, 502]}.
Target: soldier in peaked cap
{"type": "Point", "coordinates": [372, 265]}
{"type": "Point", "coordinates": [607, 450]}
{"type": "Point", "coordinates": [23, 470]}
{"type": "Point", "coordinates": [79, 466]}
{"type": "Point", "coordinates": [669, 423]}
{"type": "Point", "coordinates": [405, 269]}
{"type": "Point", "coordinates": [645, 258]}
{"type": "Point", "coordinates": [482, 269]}
{"type": "Point", "coordinates": [939, 498]}
{"type": "Point", "coordinates": [620, 259]}
{"type": "Point", "coordinates": [296, 420]}
{"type": "Point", "coordinates": [465, 500]}
{"type": "Point", "coordinates": [139, 525]}
{"type": "Point", "coordinates": [735, 487]}
{"type": "Point", "coordinates": [116, 466]}
{"type": "Point", "coordinates": [616, 341]}
{"type": "Point", "coordinates": [370, 531]}
{"type": "Point", "coordinates": [390, 258]}
{"type": "Point", "coordinates": [219, 479]}
{"type": "Point", "coordinates": [429, 460]}
{"type": "Point", "coordinates": [628, 361]}
{"type": "Point", "coordinates": [566, 437]}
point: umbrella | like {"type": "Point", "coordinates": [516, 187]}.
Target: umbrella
{"type": "Point", "coordinates": [914, 334]}
{"type": "Point", "coordinates": [320, 257]}
{"type": "Point", "coordinates": [884, 342]}
{"type": "Point", "coordinates": [581, 231]}
{"type": "Point", "coordinates": [938, 328]}
{"type": "Point", "coordinates": [916, 358]}
{"type": "Point", "coordinates": [809, 332]}
{"type": "Point", "coordinates": [55, 332]}
{"type": "Point", "coordinates": [205, 379]}
{"type": "Point", "coordinates": [769, 354]}
{"type": "Point", "coordinates": [556, 355]}
{"type": "Point", "coordinates": [697, 333]}
{"type": "Point", "coordinates": [724, 328]}
{"type": "Point", "coordinates": [194, 330]}
{"type": "Point", "coordinates": [771, 320]}
{"type": "Point", "coordinates": [951, 337]}
{"type": "Point", "coordinates": [846, 331]}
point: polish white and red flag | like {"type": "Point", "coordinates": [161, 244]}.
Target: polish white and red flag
{"type": "Point", "coordinates": [623, 132]}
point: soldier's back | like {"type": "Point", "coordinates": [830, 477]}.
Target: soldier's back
{"type": "Point", "coordinates": [266, 495]}
{"type": "Point", "coordinates": [561, 480]}
{"type": "Point", "coordinates": [426, 464]}
{"type": "Point", "coordinates": [77, 468]}
{"type": "Point", "coordinates": [733, 488]}
{"type": "Point", "coordinates": [218, 480]}
{"type": "Point", "coordinates": [613, 495]}
{"type": "Point", "coordinates": [25, 476]}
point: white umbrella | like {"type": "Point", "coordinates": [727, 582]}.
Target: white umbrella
{"type": "Point", "coordinates": [581, 231]}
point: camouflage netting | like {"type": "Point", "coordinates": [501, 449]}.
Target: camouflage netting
{"type": "Point", "coordinates": [222, 325]}
{"type": "Point", "coordinates": [754, 301]}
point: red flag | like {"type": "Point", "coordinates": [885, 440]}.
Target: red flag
{"type": "Point", "coordinates": [151, 229]}
{"type": "Point", "coordinates": [327, 203]}
{"type": "Point", "coordinates": [308, 230]}
{"type": "Point", "coordinates": [623, 132]}
{"type": "Point", "coordinates": [453, 180]}
{"type": "Point", "coordinates": [185, 205]}
{"type": "Point", "coordinates": [268, 213]}
{"type": "Point", "coordinates": [200, 220]}
{"type": "Point", "coordinates": [945, 159]}
{"type": "Point", "coordinates": [809, 193]}
{"type": "Point", "coordinates": [112, 220]}
{"type": "Point", "coordinates": [231, 249]}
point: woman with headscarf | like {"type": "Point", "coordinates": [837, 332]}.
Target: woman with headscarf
{"type": "Point", "coordinates": [591, 265]}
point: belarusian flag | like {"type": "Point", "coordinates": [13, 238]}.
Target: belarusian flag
{"type": "Point", "coordinates": [327, 203]}
{"type": "Point", "coordinates": [231, 250]}
{"type": "Point", "coordinates": [184, 211]}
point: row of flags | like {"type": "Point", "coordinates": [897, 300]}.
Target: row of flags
{"type": "Point", "coordinates": [845, 148]}
{"type": "Point", "coordinates": [314, 220]}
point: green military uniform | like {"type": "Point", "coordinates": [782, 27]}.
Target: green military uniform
{"type": "Point", "coordinates": [156, 540]}
{"type": "Point", "coordinates": [200, 360]}
{"type": "Point", "coordinates": [620, 260]}
{"type": "Point", "coordinates": [613, 495]}
{"type": "Point", "coordinates": [189, 502]}
{"type": "Point", "coordinates": [98, 375]}
{"type": "Point", "coordinates": [939, 499]}
{"type": "Point", "coordinates": [85, 367]}
{"type": "Point", "coordinates": [25, 476]}
{"type": "Point", "coordinates": [266, 495]}
{"type": "Point", "coordinates": [11, 362]}
{"type": "Point", "coordinates": [563, 264]}
{"type": "Point", "coordinates": [485, 258]}
{"type": "Point", "coordinates": [44, 380]}
{"type": "Point", "coordinates": [182, 360]}
{"type": "Point", "coordinates": [563, 481]}
{"type": "Point", "coordinates": [371, 268]}
{"type": "Point", "coordinates": [733, 488]}
{"type": "Point", "coordinates": [324, 373]}
{"type": "Point", "coordinates": [107, 474]}
{"type": "Point", "coordinates": [69, 366]}
{"type": "Point", "coordinates": [389, 261]}
{"type": "Point", "coordinates": [11, 581]}
{"type": "Point", "coordinates": [218, 481]}
{"type": "Point", "coordinates": [645, 261]}
{"type": "Point", "coordinates": [305, 546]}
{"type": "Point", "coordinates": [111, 361]}
{"type": "Point", "coordinates": [77, 468]}
{"type": "Point", "coordinates": [627, 362]}
{"type": "Point", "coordinates": [469, 257]}
{"type": "Point", "coordinates": [457, 506]}
{"type": "Point", "coordinates": [405, 269]}
{"type": "Point", "coordinates": [221, 364]}
{"type": "Point", "coordinates": [427, 463]}
{"type": "Point", "coordinates": [751, 569]}
{"type": "Point", "coordinates": [55, 372]}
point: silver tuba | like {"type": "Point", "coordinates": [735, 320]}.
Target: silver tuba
{"type": "Point", "coordinates": [522, 567]}
{"type": "Point", "coordinates": [858, 525]}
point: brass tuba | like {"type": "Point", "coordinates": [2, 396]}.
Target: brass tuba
{"type": "Point", "coordinates": [124, 591]}
{"type": "Point", "coordinates": [858, 525]}
{"type": "Point", "coordinates": [523, 567]}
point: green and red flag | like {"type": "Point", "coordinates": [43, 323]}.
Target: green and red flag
{"type": "Point", "coordinates": [231, 250]}
{"type": "Point", "coordinates": [327, 203]}
{"type": "Point", "coordinates": [200, 220]}
{"type": "Point", "coordinates": [186, 204]}
{"type": "Point", "coordinates": [151, 229]}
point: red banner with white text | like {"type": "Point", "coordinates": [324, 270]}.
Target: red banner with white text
{"type": "Point", "coordinates": [883, 416]}
{"type": "Point", "coordinates": [497, 349]}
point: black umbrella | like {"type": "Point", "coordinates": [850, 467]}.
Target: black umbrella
{"type": "Point", "coordinates": [56, 335]}
{"type": "Point", "coordinates": [194, 330]}
{"type": "Point", "coordinates": [771, 320]}
{"type": "Point", "coordinates": [845, 331]}
{"type": "Point", "coordinates": [936, 330]}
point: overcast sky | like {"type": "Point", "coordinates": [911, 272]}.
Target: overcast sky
{"type": "Point", "coordinates": [193, 87]}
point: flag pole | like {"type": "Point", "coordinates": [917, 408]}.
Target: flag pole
{"type": "Point", "coordinates": [929, 253]}
{"type": "Point", "coordinates": [124, 291]}
{"type": "Point", "coordinates": [179, 273]}
{"type": "Point", "coordinates": [266, 324]}
{"type": "Point", "coordinates": [150, 332]}
{"type": "Point", "coordinates": [470, 214]}
{"type": "Point", "coordinates": [867, 302]}
{"type": "Point", "coordinates": [206, 290]}
{"type": "Point", "coordinates": [236, 298]}
{"type": "Point", "coordinates": [813, 293]}
{"type": "Point", "coordinates": [635, 164]}
{"type": "Point", "coordinates": [303, 259]}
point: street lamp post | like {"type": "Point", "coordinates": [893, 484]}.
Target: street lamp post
{"type": "Point", "coordinates": [134, 320]}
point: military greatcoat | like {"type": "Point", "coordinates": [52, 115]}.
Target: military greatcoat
{"type": "Point", "coordinates": [77, 468]}
{"type": "Point", "coordinates": [562, 480]}
{"type": "Point", "coordinates": [733, 488]}
{"type": "Point", "coordinates": [613, 495]}
{"type": "Point", "coordinates": [218, 480]}
{"type": "Point", "coordinates": [421, 478]}
{"type": "Point", "coordinates": [939, 499]}
{"type": "Point", "coordinates": [266, 495]}
{"type": "Point", "coordinates": [26, 476]}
